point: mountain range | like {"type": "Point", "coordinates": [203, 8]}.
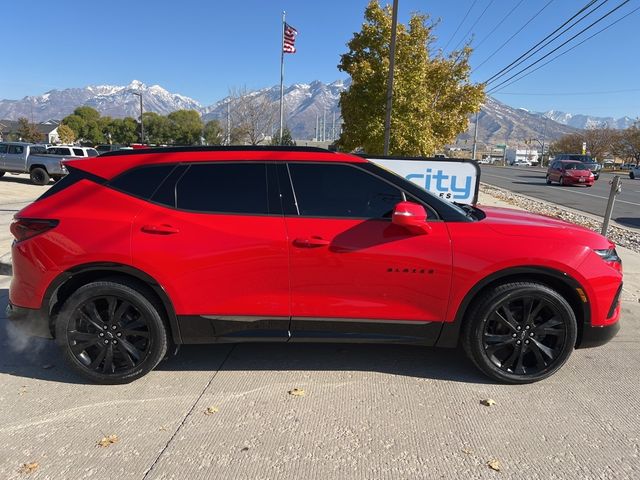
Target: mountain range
{"type": "Point", "coordinates": [308, 106]}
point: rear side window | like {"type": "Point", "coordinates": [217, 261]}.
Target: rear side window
{"type": "Point", "coordinates": [3, 148]}
{"type": "Point", "coordinates": [78, 152]}
{"type": "Point", "coordinates": [16, 149]}
{"type": "Point", "coordinates": [332, 190]}
{"type": "Point", "coordinates": [91, 152]}
{"type": "Point", "coordinates": [224, 188]}
{"type": "Point", "coordinates": [142, 181]}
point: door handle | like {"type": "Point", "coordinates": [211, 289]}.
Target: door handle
{"type": "Point", "coordinates": [311, 242]}
{"type": "Point", "coordinates": [163, 229]}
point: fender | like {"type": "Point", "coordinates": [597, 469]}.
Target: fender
{"type": "Point", "coordinates": [112, 267]}
{"type": "Point", "coordinates": [451, 331]}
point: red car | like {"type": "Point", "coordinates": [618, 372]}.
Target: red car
{"type": "Point", "coordinates": [570, 172]}
{"type": "Point", "coordinates": [137, 252]}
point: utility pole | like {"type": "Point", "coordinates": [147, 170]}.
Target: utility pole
{"type": "Point", "coordinates": [324, 124]}
{"type": "Point", "coordinates": [139, 94]}
{"type": "Point", "coordinates": [544, 134]}
{"type": "Point", "coordinates": [392, 61]}
{"type": "Point", "coordinates": [317, 128]}
{"type": "Point", "coordinates": [228, 139]}
{"type": "Point", "coordinates": [333, 127]}
{"type": "Point", "coordinates": [475, 136]}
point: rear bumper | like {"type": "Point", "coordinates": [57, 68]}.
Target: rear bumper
{"type": "Point", "coordinates": [28, 321]}
{"type": "Point", "coordinates": [596, 336]}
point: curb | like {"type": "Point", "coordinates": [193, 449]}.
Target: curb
{"type": "Point", "coordinates": [591, 216]}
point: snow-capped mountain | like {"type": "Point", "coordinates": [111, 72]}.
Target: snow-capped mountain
{"type": "Point", "coordinates": [588, 121]}
{"type": "Point", "coordinates": [303, 102]}
{"type": "Point", "coordinates": [115, 101]}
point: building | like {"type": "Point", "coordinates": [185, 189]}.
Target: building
{"type": "Point", "coordinates": [522, 155]}
{"type": "Point", "coordinates": [48, 131]}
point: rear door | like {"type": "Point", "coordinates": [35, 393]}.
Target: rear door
{"type": "Point", "coordinates": [213, 235]}
{"type": "Point", "coordinates": [15, 158]}
{"type": "Point", "coordinates": [353, 273]}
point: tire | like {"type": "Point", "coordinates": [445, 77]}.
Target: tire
{"type": "Point", "coordinates": [541, 345]}
{"type": "Point", "coordinates": [2, 174]}
{"type": "Point", "coordinates": [562, 181]}
{"type": "Point", "coordinates": [39, 176]}
{"type": "Point", "coordinates": [631, 175]}
{"type": "Point", "coordinates": [112, 331]}
{"type": "Point", "coordinates": [596, 176]}
{"type": "Point", "coordinates": [548, 180]}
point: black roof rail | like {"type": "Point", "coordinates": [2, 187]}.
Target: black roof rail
{"type": "Point", "coordinates": [233, 148]}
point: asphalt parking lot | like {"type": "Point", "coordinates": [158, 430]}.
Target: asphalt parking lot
{"type": "Point", "coordinates": [368, 411]}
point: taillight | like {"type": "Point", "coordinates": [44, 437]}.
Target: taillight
{"type": "Point", "coordinates": [24, 228]}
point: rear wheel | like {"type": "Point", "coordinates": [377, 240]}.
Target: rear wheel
{"type": "Point", "coordinates": [111, 332]}
{"type": "Point", "coordinates": [631, 175]}
{"type": "Point", "coordinates": [39, 176]}
{"type": "Point", "coordinates": [520, 332]}
{"type": "Point", "coordinates": [2, 174]}
{"type": "Point", "coordinates": [548, 180]}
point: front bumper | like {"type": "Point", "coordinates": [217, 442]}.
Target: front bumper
{"type": "Point", "coordinates": [28, 321]}
{"type": "Point", "coordinates": [596, 336]}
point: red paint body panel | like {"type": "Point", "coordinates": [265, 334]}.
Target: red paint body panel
{"type": "Point", "coordinates": [370, 269]}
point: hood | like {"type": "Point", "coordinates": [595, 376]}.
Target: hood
{"type": "Point", "coordinates": [519, 223]}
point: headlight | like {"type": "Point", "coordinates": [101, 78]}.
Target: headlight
{"type": "Point", "coordinates": [609, 255]}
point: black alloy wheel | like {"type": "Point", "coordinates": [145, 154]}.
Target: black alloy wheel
{"type": "Point", "coordinates": [523, 332]}
{"type": "Point", "coordinates": [39, 176]}
{"type": "Point", "coordinates": [111, 333]}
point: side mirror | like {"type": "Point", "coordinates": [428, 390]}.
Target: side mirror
{"type": "Point", "coordinates": [411, 216]}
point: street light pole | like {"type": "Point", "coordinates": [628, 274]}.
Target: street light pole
{"type": "Point", "coordinates": [392, 61]}
{"type": "Point", "coordinates": [139, 94]}
{"type": "Point", "coordinates": [475, 136]}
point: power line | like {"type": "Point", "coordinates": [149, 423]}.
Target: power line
{"type": "Point", "coordinates": [511, 37]}
{"type": "Point", "coordinates": [533, 50]}
{"type": "Point", "coordinates": [496, 88]}
{"type": "Point", "coordinates": [474, 24]}
{"type": "Point", "coordinates": [499, 23]}
{"type": "Point", "coordinates": [460, 24]}
{"type": "Point", "coordinates": [600, 92]}
{"type": "Point", "coordinates": [560, 46]}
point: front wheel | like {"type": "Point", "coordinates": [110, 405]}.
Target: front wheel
{"type": "Point", "coordinates": [562, 181]}
{"type": "Point", "coordinates": [2, 174]}
{"type": "Point", "coordinates": [111, 331]}
{"type": "Point", "coordinates": [520, 332]}
{"type": "Point", "coordinates": [631, 175]}
{"type": "Point", "coordinates": [39, 176]}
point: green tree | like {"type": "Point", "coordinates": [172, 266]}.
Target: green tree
{"type": "Point", "coordinates": [157, 128]}
{"type": "Point", "coordinates": [213, 133]}
{"type": "Point", "coordinates": [432, 95]}
{"type": "Point", "coordinates": [66, 134]}
{"type": "Point", "coordinates": [124, 130]}
{"type": "Point", "coordinates": [287, 139]}
{"type": "Point", "coordinates": [186, 127]}
{"type": "Point", "coordinates": [27, 131]}
{"type": "Point", "coordinates": [75, 123]}
{"type": "Point", "coordinates": [86, 124]}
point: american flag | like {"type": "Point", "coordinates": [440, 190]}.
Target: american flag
{"type": "Point", "coordinates": [289, 39]}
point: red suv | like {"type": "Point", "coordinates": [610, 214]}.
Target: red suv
{"type": "Point", "coordinates": [569, 172]}
{"type": "Point", "coordinates": [137, 252]}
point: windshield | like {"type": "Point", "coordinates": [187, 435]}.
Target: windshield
{"type": "Point", "coordinates": [575, 166]}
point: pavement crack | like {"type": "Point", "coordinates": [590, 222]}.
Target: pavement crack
{"type": "Point", "coordinates": [188, 414]}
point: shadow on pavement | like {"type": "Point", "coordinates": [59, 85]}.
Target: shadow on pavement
{"type": "Point", "coordinates": [25, 181]}
{"type": "Point", "coordinates": [40, 359]}
{"type": "Point", "coordinates": [633, 222]}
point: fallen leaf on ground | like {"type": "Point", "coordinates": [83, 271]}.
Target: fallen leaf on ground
{"type": "Point", "coordinates": [22, 390]}
{"type": "Point", "coordinates": [106, 441]}
{"type": "Point", "coordinates": [494, 465]}
{"type": "Point", "coordinates": [297, 392]}
{"type": "Point", "coordinates": [488, 402]}
{"type": "Point", "coordinates": [244, 449]}
{"type": "Point", "coordinates": [467, 451]}
{"type": "Point", "coordinates": [211, 410]}
{"type": "Point", "coordinates": [27, 468]}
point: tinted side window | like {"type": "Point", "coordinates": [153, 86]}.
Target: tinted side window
{"type": "Point", "coordinates": [224, 188]}
{"type": "Point", "coordinates": [91, 152]}
{"type": "Point", "coordinates": [16, 149]}
{"type": "Point", "coordinates": [143, 181]}
{"type": "Point", "coordinates": [78, 152]}
{"type": "Point", "coordinates": [3, 148]}
{"type": "Point", "coordinates": [329, 190]}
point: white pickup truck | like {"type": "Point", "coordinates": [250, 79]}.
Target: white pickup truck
{"type": "Point", "coordinates": [41, 163]}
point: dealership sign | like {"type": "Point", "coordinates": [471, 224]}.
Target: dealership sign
{"type": "Point", "coordinates": [456, 180]}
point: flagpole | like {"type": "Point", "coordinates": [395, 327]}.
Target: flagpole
{"type": "Point", "coordinates": [282, 78]}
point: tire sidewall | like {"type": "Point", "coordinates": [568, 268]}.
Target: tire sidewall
{"type": "Point", "coordinates": [157, 330]}
{"type": "Point", "coordinates": [476, 327]}
{"type": "Point", "coordinates": [39, 172]}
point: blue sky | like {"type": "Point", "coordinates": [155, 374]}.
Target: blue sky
{"type": "Point", "coordinates": [203, 48]}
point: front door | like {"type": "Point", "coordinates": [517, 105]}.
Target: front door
{"type": "Point", "coordinates": [214, 235]}
{"type": "Point", "coordinates": [354, 274]}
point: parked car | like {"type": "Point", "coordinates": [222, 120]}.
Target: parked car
{"type": "Point", "coordinates": [587, 160]}
{"type": "Point", "coordinates": [136, 252]}
{"type": "Point", "coordinates": [72, 151]}
{"type": "Point", "coordinates": [521, 163]}
{"type": "Point", "coordinates": [108, 148]}
{"type": "Point", "coordinates": [634, 172]}
{"type": "Point", "coordinates": [20, 157]}
{"type": "Point", "coordinates": [569, 172]}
